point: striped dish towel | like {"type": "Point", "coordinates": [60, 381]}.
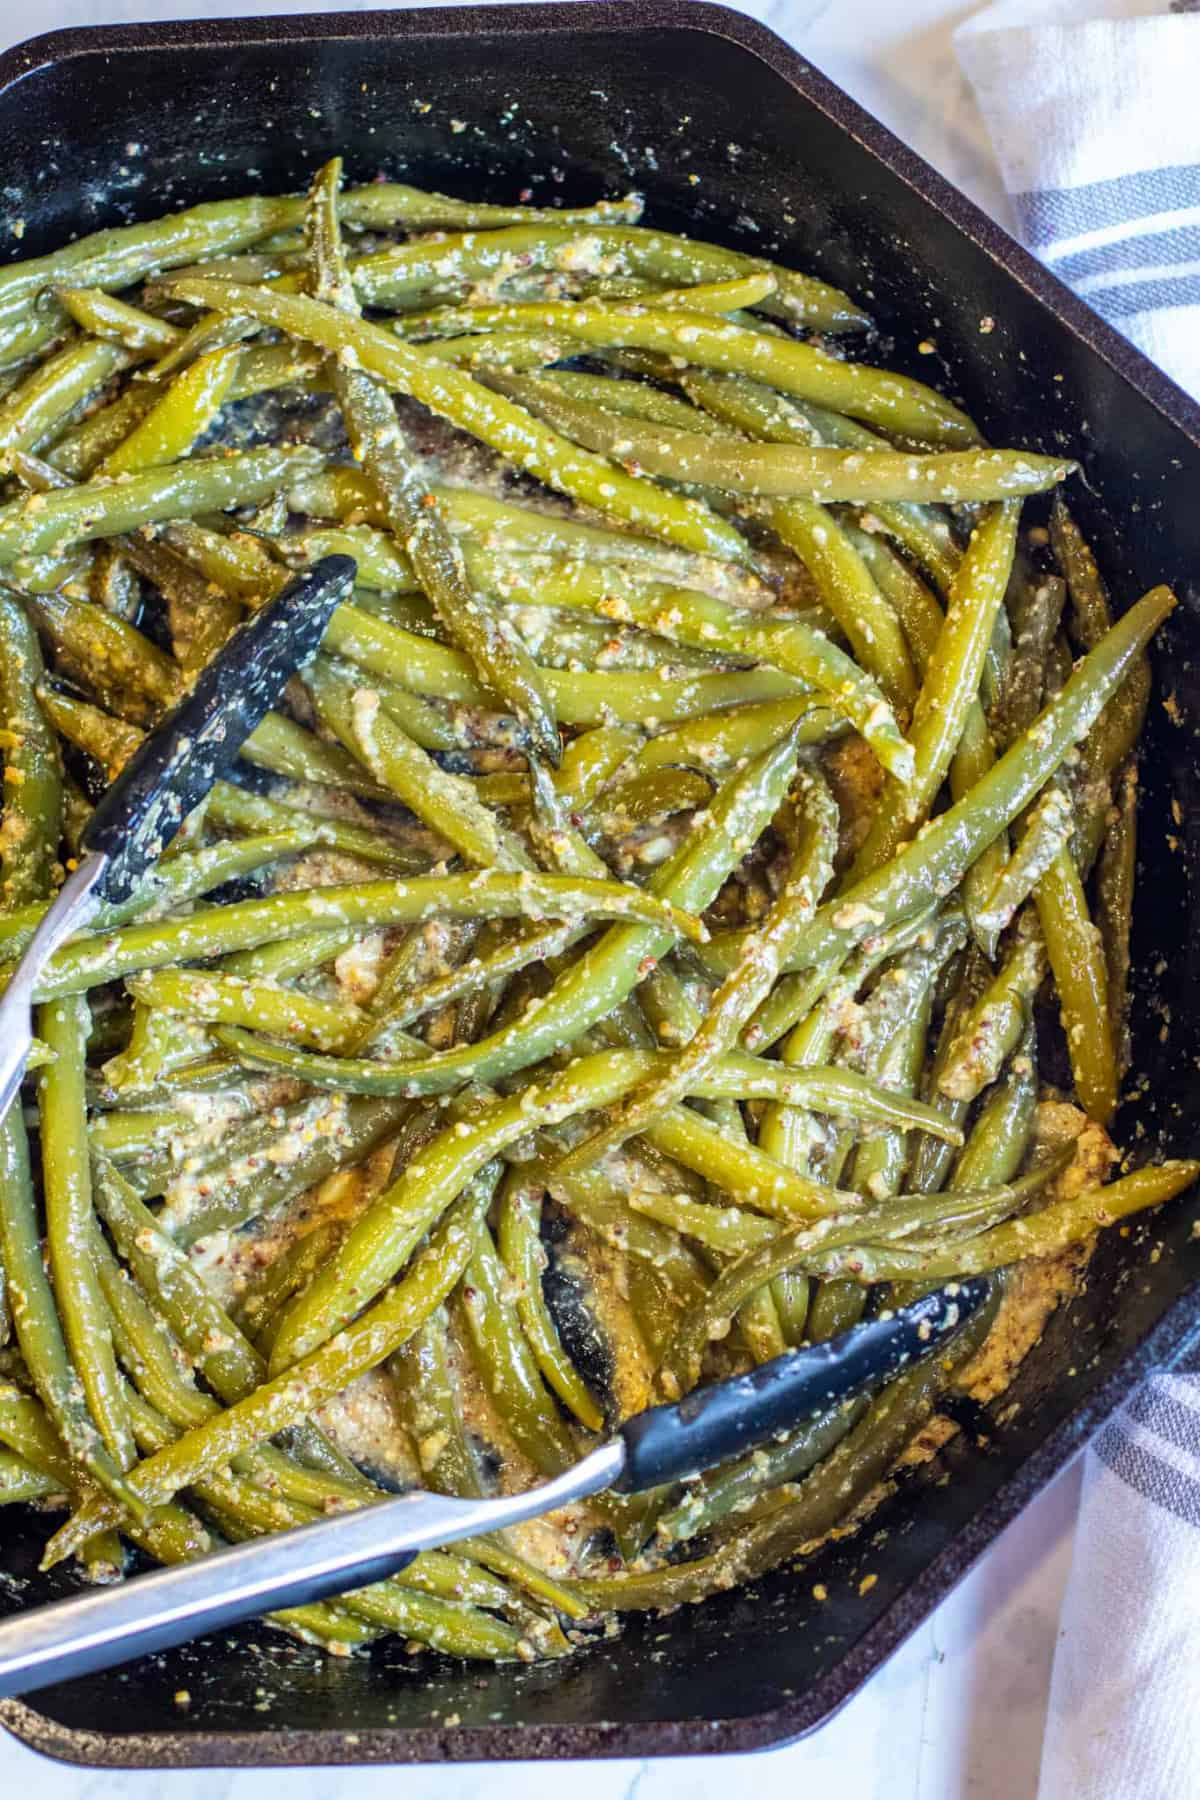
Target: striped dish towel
{"type": "Point", "coordinates": [1094, 110]}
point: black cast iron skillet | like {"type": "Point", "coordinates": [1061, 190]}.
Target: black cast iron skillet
{"type": "Point", "coordinates": [97, 127]}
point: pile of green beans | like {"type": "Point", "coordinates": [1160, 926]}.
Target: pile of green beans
{"type": "Point", "coordinates": [627, 952]}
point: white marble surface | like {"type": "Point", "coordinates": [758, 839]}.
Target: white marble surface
{"type": "Point", "coordinates": [958, 1713]}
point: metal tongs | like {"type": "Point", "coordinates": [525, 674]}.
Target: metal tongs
{"type": "Point", "coordinates": [664, 1444]}
{"type": "Point", "coordinates": [168, 774]}
{"type": "Point", "coordinates": [171, 773]}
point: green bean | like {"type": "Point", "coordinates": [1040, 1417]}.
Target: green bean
{"type": "Point", "coordinates": [38, 1329]}
{"type": "Point", "coordinates": [938, 859]}
{"type": "Point", "coordinates": [699, 621]}
{"type": "Point", "coordinates": [654, 795]}
{"type": "Point", "coordinates": [950, 685]}
{"type": "Point", "coordinates": [257, 1310]}
{"type": "Point", "coordinates": [33, 797]}
{"type": "Point", "coordinates": [182, 416]}
{"type": "Point", "coordinates": [506, 1362]}
{"type": "Point", "coordinates": [80, 450]}
{"type": "Point", "coordinates": [786, 471]}
{"type": "Point", "coordinates": [734, 1487]}
{"type": "Point", "coordinates": [1076, 957]}
{"type": "Point", "coordinates": [283, 747]}
{"type": "Point", "coordinates": [111, 742]}
{"type": "Point", "coordinates": [24, 333]}
{"type": "Point", "coordinates": [1021, 693]}
{"type": "Point", "coordinates": [890, 400]}
{"type": "Point", "coordinates": [443, 802]}
{"type": "Point", "coordinates": [761, 413]}
{"type": "Point", "coordinates": [429, 1398]}
{"type": "Point", "coordinates": [850, 593]}
{"type": "Point", "coordinates": [377, 439]}
{"type": "Point", "coordinates": [524, 1260]}
{"type": "Point", "coordinates": [1047, 830]}
{"type": "Point", "coordinates": [20, 1482]}
{"type": "Point", "coordinates": [1115, 881]}
{"type": "Point", "coordinates": [87, 962]}
{"type": "Point", "coordinates": [305, 1386]}
{"type": "Point", "coordinates": [415, 273]}
{"type": "Point", "coordinates": [1121, 723]}
{"type": "Point", "coordinates": [127, 672]}
{"type": "Point", "coordinates": [68, 1200]}
{"type": "Point", "coordinates": [497, 422]}
{"type": "Point", "coordinates": [259, 1005]}
{"type": "Point", "coordinates": [201, 485]}
{"type": "Point", "coordinates": [997, 1145]}
{"type": "Point", "coordinates": [719, 740]}
{"type": "Point", "coordinates": [125, 1134]}
{"type": "Point", "coordinates": [103, 315]}
{"type": "Point", "coordinates": [258, 1183]}
{"type": "Point", "coordinates": [993, 1026]}
{"type": "Point", "coordinates": [236, 809]}
{"type": "Point", "coordinates": [25, 1428]}
{"type": "Point", "coordinates": [631, 399]}
{"type": "Point", "coordinates": [1054, 1228]}
{"type": "Point", "coordinates": [743, 991]}
{"type": "Point", "coordinates": [44, 400]}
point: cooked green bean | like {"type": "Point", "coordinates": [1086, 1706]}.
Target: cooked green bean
{"type": "Point", "coordinates": [890, 400]}
{"type": "Point", "coordinates": [45, 399]}
{"type": "Point", "coordinates": [68, 1201]}
{"type": "Point", "coordinates": [201, 485]}
{"type": "Point", "coordinates": [184, 413]}
{"type": "Point", "coordinates": [38, 1328]}
{"type": "Point", "coordinates": [496, 421]}
{"type": "Point", "coordinates": [951, 682]}
{"type": "Point", "coordinates": [304, 1386]}
{"type": "Point", "coordinates": [103, 315]}
{"type": "Point", "coordinates": [1076, 958]}
{"type": "Point", "coordinates": [443, 802]}
{"type": "Point", "coordinates": [506, 1362]}
{"type": "Point", "coordinates": [410, 275]}
{"type": "Point", "coordinates": [764, 471]}
{"type": "Point", "coordinates": [524, 1260]}
{"type": "Point", "coordinates": [33, 797]}
{"type": "Point", "coordinates": [378, 442]}
{"type": "Point", "coordinates": [700, 621]}
{"type": "Point", "coordinates": [1047, 830]}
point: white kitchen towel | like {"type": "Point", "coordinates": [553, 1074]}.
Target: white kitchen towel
{"type": "Point", "coordinates": [1094, 110]}
{"type": "Point", "coordinates": [1124, 1715]}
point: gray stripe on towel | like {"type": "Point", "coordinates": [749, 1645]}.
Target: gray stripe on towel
{"type": "Point", "coordinates": [1148, 1475]}
{"type": "Point", "coordinates": [1050, 213]}
{"type": "Point", "coordinates": [1145, 296]}
{"type": "Point", "coordinates": [1169, 1418]}
{"type": "Point", "coordinates": [1151, 251]}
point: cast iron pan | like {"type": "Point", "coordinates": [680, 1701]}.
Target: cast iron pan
{"type": "Point", "coordinates": [97, 127]}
